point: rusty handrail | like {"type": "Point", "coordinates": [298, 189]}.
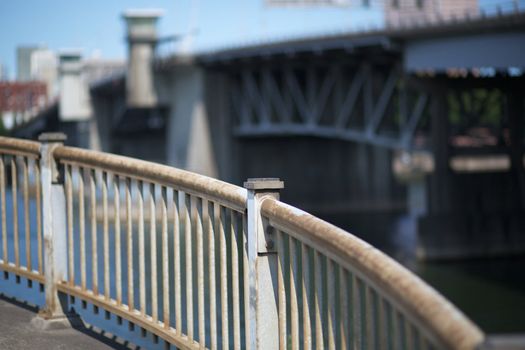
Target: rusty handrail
{"type": "Point", "coordinates": [20, 170]}
{"type": "Point", "coordinates": [221, 224]}
{"type": "Point", "coordinates": [428, 310]}
{"type": "Point", "coordinates": [228, 194]}
{"type": "Point", "coordinates": [19, 146]}
{"type": "Point", "coordinates": [201, 212]}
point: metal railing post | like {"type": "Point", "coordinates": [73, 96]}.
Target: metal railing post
{"type": "Point", "coordinates": [54, 224]}
{"type": "Point", "coordinates": [262, 268]}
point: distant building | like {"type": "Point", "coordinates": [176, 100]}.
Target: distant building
{"type": "Point", "coordinates": [38, 64]}
{"type": "Point", "coordinates": [4, 73]}
{"type": "Point", "coordinates": [44, 67]}
{"type": "Point", "coordinates": [378, 13]}
{"type": "Point", "coordinates": [399, 12]}
{"type": "Point", "coordinates": [66, 79]}
{"type": "Point", "coordinates": [20, 101]}
{"type": "Point", "coordinates": [360, 14]}
{"type": "Point", "coordinates": [23, 62]}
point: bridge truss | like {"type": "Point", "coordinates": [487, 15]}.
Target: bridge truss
{"type": "Point", "coordinates": [363, 102]}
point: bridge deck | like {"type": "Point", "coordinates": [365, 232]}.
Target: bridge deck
{"type": "Point", "coordinates": [17, 332]}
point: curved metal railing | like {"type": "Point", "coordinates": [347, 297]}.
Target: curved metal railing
{"type": "Point", "coordinates": [372, 299]}
{"type": "Point", "coordinates": [20, 184]}
{"type": "Point", "coordinates": [169, 215]}
{"type": "Point", "coordinates": [201, 263]}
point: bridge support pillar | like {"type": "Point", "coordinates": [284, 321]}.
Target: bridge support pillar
{"type": "Point", "coordinates": [142, 38]}
{"type": "Point", "coordinates": [54, 228]}
{"type": "Point", "coordinates": [440, 179]}
{"type": "Point", "coordinates": [262, 301]}
{"type": "Point", "coordinates": [516, 113]}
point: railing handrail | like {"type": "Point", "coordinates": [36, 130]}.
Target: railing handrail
{"type": "Point", "coordinates": [436, 318]}
{"type": "Point", "coordinates": [13, 146]}
{"type": "Point", "coordinates": [227, 194]}
{"type": "Point", "coordinates": [450, 326]}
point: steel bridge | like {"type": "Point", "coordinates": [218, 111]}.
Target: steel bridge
{"type": "Point", "coordinates": [418, 118]}
{"type": "Point", "coordinates": [439, 106]}
{"type": "Point", "coordinates": [376, 87]}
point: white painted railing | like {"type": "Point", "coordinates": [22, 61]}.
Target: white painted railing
{"type": "Point", "coordinates": [201, 263]}
{"type": "Point", "coordinates": [19, 160]}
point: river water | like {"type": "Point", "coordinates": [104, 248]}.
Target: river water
{"type": "Point", "coordinates": [490, 291]}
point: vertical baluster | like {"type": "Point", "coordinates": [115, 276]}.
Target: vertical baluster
{"type": "Point", "coordinates": [38, 218]}
{"type": "Point", "coordinates": [396, 332]}
{"type": "Point", "coordinates": [165, 258]}
{"type": "Point", "coordinates": [176, 261]}
{"type": "Point", "coordinates": [389, 325]}
{"type": "Point", "coordinates": [142, 253]}
{"type": "Point", "coordinates": [307, 325]}
{"type": "Point", "coordinates": [383, 325]}
{"type": "Point", "coordinates": [105, 228]}
{"type": "Point", "coordinates": [409, 335]}
{"type": "Point", "coordinates": [189, 266]}
{"type": "Point", "coordinates": [356, 312]}
{"type": "Point", "coordinates": [281, 263]}
{"type": "Point", "coordinates": [129, 236]}
{"type": "Point", "coordinates": [14, 192]}
{"type": "Point", "coordinates": [69, 203]}
{"type": "Point", "coordinates": [118, 250]}
{"type": "Point", "coordinates": [330, 274]}
{"type": "Point", "coordinates": [5, 256]}
{"type": "Point", "coordinates": [25, 182]}
{"type": "Point", "coordinates": [246, 281]}
{"type": "Point", "coordinates": [211, 260]}
{"type": "Point", "coordinates": [343, 301]}
{"type": "Point", "coordinates": [219, 220]}
{"type": "Point", "coordinates": [422, 343]}
{"type": "Point", "coordinates": [81, 228]}
{"type": "Point", "coordinates": [370, 318]}
{"type": "Point", "coordinates": [403, 332]}
{"type": "Point", "coordinates": [197, 224]}
{"type": "Point", "coordinates": [153, 251]}
{"type": "Point", "coordinates": [318, 299]}
{"type": "Point", "coordinates": [294, 308]}
{"type": "Point", "coordinates": [93, 217]}
{"type": "Point", "coordinates": [235, 281]}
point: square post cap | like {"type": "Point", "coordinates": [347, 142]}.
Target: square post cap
{"type": "Point", "coordinates": [272, 184]}
{"type": "Point", "coordinates": [141, 24]}
{"type": "Point", "coordinates": [52, 137]}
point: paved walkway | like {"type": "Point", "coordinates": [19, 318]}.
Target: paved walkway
{"type": "Point", "coordinates": [16, 332]}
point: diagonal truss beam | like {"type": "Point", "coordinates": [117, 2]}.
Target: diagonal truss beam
{"type": "Point", "coordinates": [297, 95]}
{"type": "Point", "coordinates": [351, 98]}
{"type": "Point", "coordinates": [268, 95]}
{"type": "Point", "coordinates": [324, 93]}
{"type": "Point", "coordinates": [238, 103]}
{"type": "Point", "coordinates": [256, 99]}
{"type": "Point", "coordinates": [379, 109]}
{"type": "Point", "coordinates": [275, 96]}
{"type": "Point", "coordinates": [407, 133]}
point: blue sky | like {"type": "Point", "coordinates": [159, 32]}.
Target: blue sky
{"type": "Point", "coordinates": [97, 25]}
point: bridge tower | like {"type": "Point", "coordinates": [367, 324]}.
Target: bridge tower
{"type": "Point", "coordinates": [142, 38]}
{"type": "Point", "coordinates": [74, 110]}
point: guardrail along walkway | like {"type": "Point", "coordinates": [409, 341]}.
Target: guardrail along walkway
{"type": "Point", "coordinates": [201, 263]}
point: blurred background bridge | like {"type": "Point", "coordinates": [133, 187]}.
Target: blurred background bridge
{"type": "Point", "coordinates": [408, 132]}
